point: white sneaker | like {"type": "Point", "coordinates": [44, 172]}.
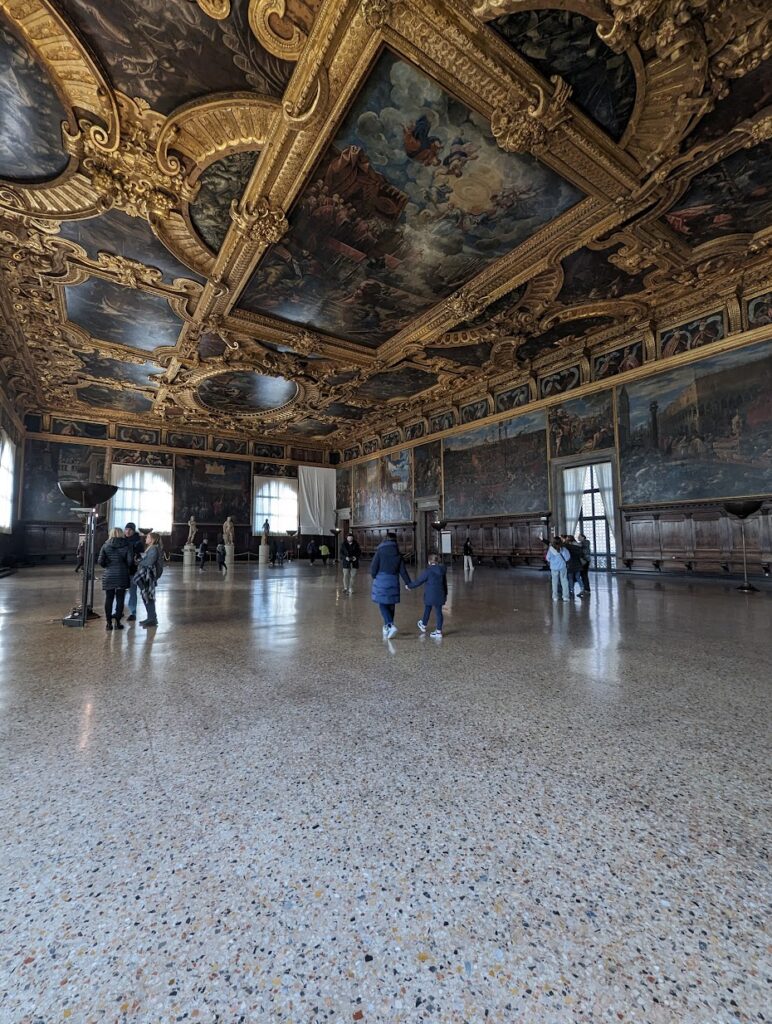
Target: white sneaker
{"type": "Point", "coordinates": [392, 631]}
{"type": "Point", "coordinates": [436, 634]}
{"type": "Point", "coordinates": [385, 632]}
{"type": "Point", "coordinates": [421, 625]}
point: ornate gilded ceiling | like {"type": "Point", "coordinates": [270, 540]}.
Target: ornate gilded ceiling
{"type": "Point", "coordinates": [321, 220]}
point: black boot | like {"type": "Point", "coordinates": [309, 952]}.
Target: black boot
{"type": "Point", "coordinates": [109, 624]}
{"type": "Point", "coordinates": [118, 624]}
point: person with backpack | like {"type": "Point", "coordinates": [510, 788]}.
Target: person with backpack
{"type": "Point", "coordinates": [220, 553]}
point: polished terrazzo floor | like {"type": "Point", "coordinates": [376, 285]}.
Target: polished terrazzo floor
{"type": "Point", "coordinates": [262, 812]}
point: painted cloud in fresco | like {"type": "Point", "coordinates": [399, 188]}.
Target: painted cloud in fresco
{"type": "Point", "coordinates": [412, 199]}
{"type": "Point", "coordinates": [31, 115]}
{"type": "Point", "coordinates": [222, 182]}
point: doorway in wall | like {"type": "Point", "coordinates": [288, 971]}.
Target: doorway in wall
{"type": "Point", "coordinates": [588, 495]}
{"type": "Point", "coordinates": [426, 536]}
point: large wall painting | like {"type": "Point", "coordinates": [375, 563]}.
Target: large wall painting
{"type": "Point", "coordinates": [698, 432]}
{"type": "Point", "coordinates": [343, 487]}
{"type": "Point", "coordinates": [413, 198]}
{"type": "Point", "coordinates": [383, 490]}
{"type": "Point", "coordinates": [211, 489]}
{"type": "Point", "coordinates": [733, 196]}
{"type": "Point", "coordinates": [497, 470]}
{"type": "Point", "coordinates": [169, 52]}
{"type": "Point", "coordinates": [48, 462]}
{"type": "Point", "coordinates": [31, 116]}
{"type": "Point", "coordinates": [427, 469]}
{"type": "Point", "coordinates": [581, 425]}
{"type": "Point", "coordinates": [130, 237]}
{"type": "Point", "coordinates": [567, 44]}
{"type": "Point", "coordinates": [126, 316]}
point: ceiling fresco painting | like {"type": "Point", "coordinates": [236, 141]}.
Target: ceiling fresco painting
{"type": "Point", "coordinates": [553, 336]}
{"type": "Point", "coordinates": [221, 183]}
{"type": "Point", "coordinates": [412, 199]}
{"type": "Point", "coordinates": [245, 392]}
{"type": "Point", "coordinates": [399, 384]}
{"type": "Point", "coordinates": [566, 43]}
{"type": "Point", "coordinates": [734, 196]}
{"type": "Point", "coordinates": [746, 98]}
{"type": "Point", "coordinates": [589, 275]}
{"type": "Point", "coordinates": [119, 400]}
{"type": "Point", "coordinates": [130, 237]}
{"type": "Point", "coordinates": [168, 52]}
{"type": "Point", "coordinates": [124, 316]}
{"type": "Point", "coordinates": [117, 370]}
{"type": "Point", "coordinates": [292, 219]}
{"type": "Point", "coordinates": [31, 115]}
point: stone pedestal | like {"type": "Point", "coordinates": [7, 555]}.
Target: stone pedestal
{"type": "Point", "coordinates": [230, 554]}
{"type": "Point", "coordinates": [265, 554]}
{"type": "Point", "coordinates": [188, 557]}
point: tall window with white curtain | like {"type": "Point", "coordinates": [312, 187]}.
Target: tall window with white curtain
{"type": "Point", "coordinates": [7, 479]}
{"type": "Point", "coordinates": [275, 499]}
{"type": "Point", "coordinates": [145, 496]}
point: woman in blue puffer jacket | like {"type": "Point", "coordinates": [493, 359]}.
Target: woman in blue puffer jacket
{"type": "Point", "coordinates": [386, 568]}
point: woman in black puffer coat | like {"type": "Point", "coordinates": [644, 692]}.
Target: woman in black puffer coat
{"type": "Point", "coordinates": [117, 560]}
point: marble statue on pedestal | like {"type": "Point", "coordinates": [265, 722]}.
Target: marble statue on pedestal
{"type": "Point", "coordinates": [228, 531]}
{"type": "Point", "coordinates": [266, 531]}
{"type": "Point", "coordinates": [192, 531]}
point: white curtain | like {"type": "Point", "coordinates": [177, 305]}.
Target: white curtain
{"type": "Point", "coordinates": [573, 491]}
{"type": "Point", "coordinates": [276, 499]}
{"type": "Point", "coordinates": [7, 475]}
{"type": "Point", "coordinates": [604, 476]}
{"type": "Point", "coordinates": [145, 496]}
{"type": "Point", "coordinates": [316, 494]}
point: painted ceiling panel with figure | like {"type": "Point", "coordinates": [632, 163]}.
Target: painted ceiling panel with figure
{"type": "Point", "coordinates": [566, 43]}
{"type": "Point", "coordinates": [413, 198]}
{"type": "Point", "coordinates": [589, 275]}
{"type": "Point", "coordinates": [125, 316]}
{"type": "Point", "coordinates": [221, 183]}
{"type": "Point", "coordinates": [31, 115]}
{"type": "Point", "coordinates": [117, 399]}
{"type": "Point", "coordinates": [117, 370]}
{"type": "Point", "coordinates": [246, 392]}
{"type": "Point", "coordinates": [733, 196]}
{"type": "Point", "coordinates": [169, 52]}
{"type": "Point", "coordinates": [131, 237]}
{"type": "Point", "coordinates": [746, 97]}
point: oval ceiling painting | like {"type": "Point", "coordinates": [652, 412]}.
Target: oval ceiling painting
{"type": "Point", "coordinates": [244, 392]}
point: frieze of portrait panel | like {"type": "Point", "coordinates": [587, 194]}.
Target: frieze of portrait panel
{"type": "Point", "coordinates": [79, 428]}
{"type": "Point", "coordinates": [759, 310]}
{"type": "Point", "coordinates": [137, 457]}
{"type": "Point", "coordinates": [702, 331]}
{"type": "Point", "coordinates": [560, 381]}
{"type": "Point", "coordinates": [618, 360]}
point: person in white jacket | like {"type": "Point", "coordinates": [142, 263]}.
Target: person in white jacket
{"type": "Point", "coordinates": [557, 558]}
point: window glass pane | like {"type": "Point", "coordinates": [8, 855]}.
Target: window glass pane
{"type": "Point", "coordinates": [276, 500]}
{"type": "Point", "coordinates": [145, 496]}
{"type": "Point", "coordinates": [7, 466]}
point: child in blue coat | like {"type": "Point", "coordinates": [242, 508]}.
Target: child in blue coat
{"type": "Point", "coordinates": [435, 595]}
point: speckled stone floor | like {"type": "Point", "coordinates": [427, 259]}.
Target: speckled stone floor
{"type": "Point", "coordinates": [262, 812]}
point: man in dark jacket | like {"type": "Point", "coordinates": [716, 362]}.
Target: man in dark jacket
{"type": "Point", "coordinates": [574, 565]}
{"type": "Point", "coordinates": [468, 556]}
{"type": "Point", "coordinates": [386, 568]}
{"type": "Point", "coordinates": [136, 543]}
{"type": "Point", "coordinates": [349, 556]}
